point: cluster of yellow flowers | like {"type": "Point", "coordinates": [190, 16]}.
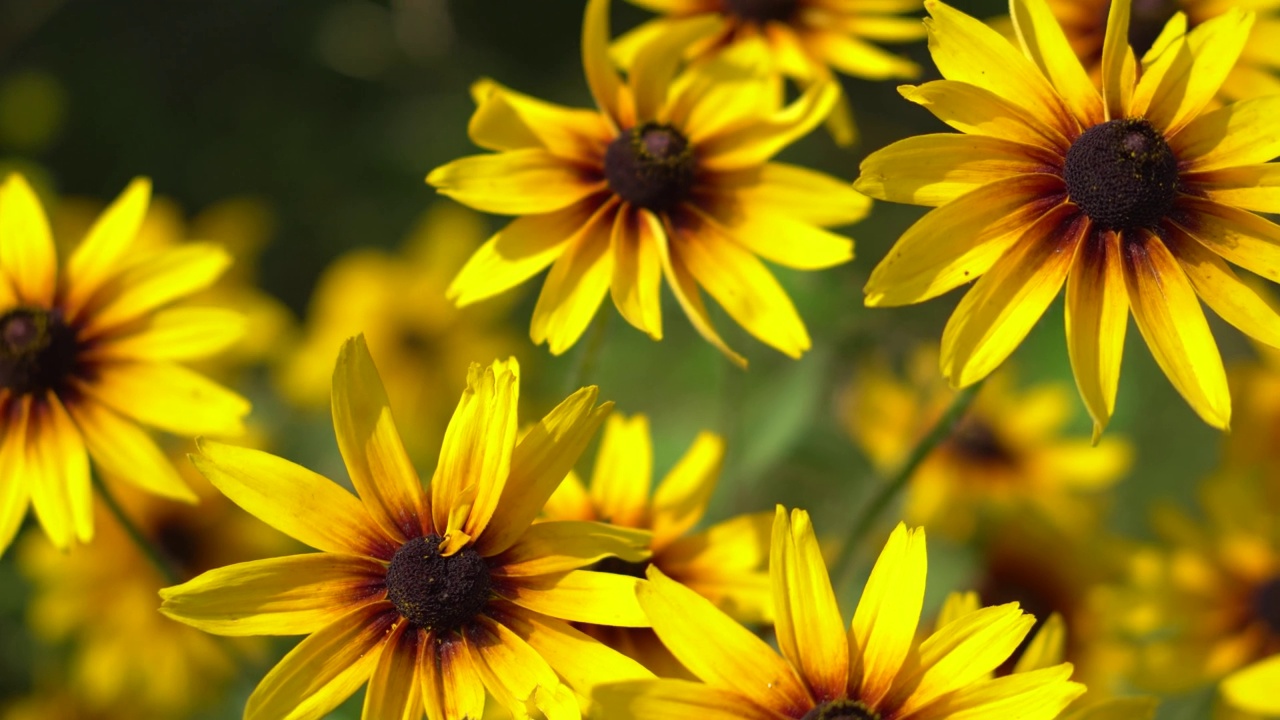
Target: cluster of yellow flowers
{"type": "Point", "coordinates": [1122, 151]}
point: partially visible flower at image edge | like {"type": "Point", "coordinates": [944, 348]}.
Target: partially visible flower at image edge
{"type": "Point", "coordinates": [669, 178]}
{"type": "Point", "coordinates": [1255, 689]}
{"type": "Point", "coordinates": [433, 597]}
{"type": "Point", "coordinates": [91, 354]}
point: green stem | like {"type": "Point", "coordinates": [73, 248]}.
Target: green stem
{"type": "Point", "coordinates": [149, 550]}
{"type": "Point", "coordinates": [940, 431]}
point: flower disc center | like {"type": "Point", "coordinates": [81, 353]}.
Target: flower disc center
{"type": "Point", "coordinates": [841, 710]}
{"type": "Point", "coordinates": [1146, 19]}
{"type": "Point", "coordinates": [975, 439]}
{"type": "Point", "coordinates": [650, 165]}
{"type": "Point", "coordinates": [1266, 604]}
{"type": "Point", "coordinates": [761, 11]}
{"type": "Point", "coordinates": [436, 592]}
{"type": "Point", "coordinates": [1122, 174]}
{"type": "Point", "coordinates": [37, 350]}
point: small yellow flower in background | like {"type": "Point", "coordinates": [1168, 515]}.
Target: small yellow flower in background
{"type": "Point", "coordinates": [397, 301]}
{"type": "Point", "coordinates": [804, 40]}
{"type": "Point", "coordinates": [91, 353]}
{"type": "Point", "coordinates": [1008, 455]}
{"type": "Point", "coordinates": [1251, 445]}
{"type": "Point", "coordinates": [430, 596]}
{"type": "Point", "coordinates": [1255, 689]}
{"type": "Point", "coordinates": [879, 670]}
{"type": "Point", "coordinates": [724, 563]}
{"type": "Point", "coordinates": [126, 660]}
{"type": "Point", "coordinates": [1135, 198]}
{"type": "Point", "coordinates": [670, 177]}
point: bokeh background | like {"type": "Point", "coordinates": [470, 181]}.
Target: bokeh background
{"type": "Point", "coordinates": [299, 131]}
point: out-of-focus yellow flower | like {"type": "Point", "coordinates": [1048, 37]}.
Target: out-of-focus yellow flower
{"type": "Point", "coordinates": [670, 178]}
{"type": "Point", "coordinates": [430, 596]}
{"type": "Point", "coordinates": [1252, 447]}
{"type": "Point", "coordinates": [878, 668]}
{"type": "Point", "coordinates": [125, 659]}
{"type": "Point", "coordinates": [1255, 689]}
{"type": "Point", "coordinates": [1008, 455]}
{"type": "Point", "coordinates": [804, 40]}
{"type": "Point", "coordinates": [724, 563]}
{"type": "Point", "coordinates": [397, 300]}
{"type": "Point", "coordinates": [93, 351]}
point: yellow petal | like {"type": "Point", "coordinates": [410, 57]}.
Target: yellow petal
{"type": "Point", "coordinates": [169, 397]}
{"type": "Point", "coordinates": [1129, 708]}
{"type": "Point", "coordinates": [100, 255]}
{"type": "Point", "coordinates": [756, 143]}
{"type": "Point", "coordinates": [1254, 688]}
{"type": "Point", "coordinates": [515, 673]}
{"type": "Point", "coordinates": [993, 318]}
{"type": "Point", "coordinates": [956, 606]}
{"type": "Point", "coordinates": [324, 669]}
{"type": "Point", "coordinates": [725, 564]}
{"type": "Point", "coordinates": [1046, 648]}
{"type": "Point", "coordinates": [960, 241]}
{"type": "Point", "coordinates": [1117, 70]}
{"type": "Point", "coordinates": [1039, 695]}
{"type": "Point", "coordinates": [393, 692]}
{"type": "Point", "coordinates": [155, 282]}
{"type": "Point", "coordinates": [719, 651]}
{"type": "Point", "coordinates": [802, 195]}
{"type": "Point", "coordinates": [294, 595]}
{"type": "Point", "coordinates": [681, 498]}
{"type": "Point", "coordinates": [72, 458]}
{"type": "Point", "coordinates": [508, 120]}
{"type": "Point", "coordinates": [1238, 134]}
{"type": "Point", "coordinates": [677, 700]}
{"type": "Point", "coordinates": [623, 470]}
{"type": "Point", "coordinates": [451, 682]}
{"type": "Point", "coordinates": [782, 239]}
{"type": "Point", "coordinates": [124, 451]}
{"type": "Point", "coordinates": [576, 285]}
{"type": "Point", "coordinates": [602, 76]}
{"type": "Point", "coordinates": [375, 457]}
{"type": "Point", "coordinates": [1097, 315]}
{"type": "Point", "coordinates": [810, 629]}
{"type": "Point", "coordinates": [1200, 65]}
{"type": "Point", "coordinates": [46, 473]}
{"type": "Point", "coordinates": [978, 111]}
{"type": "Point", "coordinates": [578, 596]}
{"type": "Point", "coordinates": [655, 64]}
{"type": "Point", "coordinates": [14, 491]}
{"type": "Point", "coordinates": [181, 333]}
{"type": "Point", "coordinates": [1237, 236]}
{"type": "Point", "coordinates": [1224, 292]}
{"type": "Point", "coordinates": [1250, 187]}
{"type": "Point", "coordinates": [934, 170]}
{"type": "Point", "coordinates": [685, 288]}
{"type": "Point", "coordinates": [27, 255]}
{"type": "Point", "coordinates": [515, 182]}
{"type": "Point", "coordinates": [884, 625]}
{"type": "Point", "coordinates": [1045, 43]}
{"type": "Point", "coordinates": [853, 56]}
{"type": "Point", "coordinates": [1172, 323]}
{"type": "Point", "coordinates": [558, 546]}
{"type": "Point", "coordinates": [637, 269]}
{"type": "Point", "coordinates": [570, 501]}
{"type": "Point", "coordinates": [297, 502]}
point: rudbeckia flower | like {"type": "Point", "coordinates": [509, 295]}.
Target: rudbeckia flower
{"type": "Point", "coordinates": [1253, 689]}
{"type": "Point", "coordinates": [723, 563]}
{"type": "Point", "coordinates": [432, 597]}
{"type": "Point", "coordinates": [877, 671]}
{"type": "Point", "coordinates": [670, 177]}
{"type": "Point", "coordinates": [804, 39]}
{"type": "Point", "coordinates": [1135, 198]}
{"type": "Point", "coordinates": [91, 354]}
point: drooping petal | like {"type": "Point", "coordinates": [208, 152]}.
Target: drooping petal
{"type": "Point", "coordinates": [719, 651]}
{"type": "Point", "coordinates": [1171, 321]}
{"type": "Point", "coordinates": [27, 254]}
{"type": "Point", "coordinates": [1237, 236]}
{"type": "Point", "coordinates": [375, 457]}
{"type": "Point", "coordinates": [576, 285]}
{"type": "Point", "coordinates": [508, 120]}
{"type": "Point", "coordinates": [175, 334]}
{"type": "Point", "coordinates": [1237, 134]}
{"type": "Point", "coordinates": [623, 471]}
{"type": "Point", "coordinates": [324, 669]}
{"type": "Point", "coordinates": [169, 397]}
{"type": "Point", "coordinates": [394, 692]}
{"type": "Point", "coordinates": [299, 503]}
{"type": "Point", "coordinates": [677, 700]}
{"type": "Point", "coordinates": [1097, 316]}
{"type": "Point", "coordinates": [636, 285]}
{"type": "Point", "coordinates": [156, 282]}
{"type": "Point", "coordinates": [125, 451]}
{"type": "Point", "coordinates": [98, 257]}
{"type": "Point", "coordinates": [1224, 292]}
{"type": "Point", "coordinates": [516, 675]}
{"type": "Point", "coordinates": [516, 182]}
{"type": "Point", "coordinates": [681, 498]}
{"type": "Point", "coordinates": [452, 686]}
{"type": "Point", "coordinates": [978, 111]}
{"type": "Point", "coordinates": [884, 625]}
{"type": "Point", "coordinates": [810, 629]}
{"type": "Point", "coordinates": [1045, 43]}
{"type": "Point", "coordinates": [558, 546]}
{"type": "Point", "coordinates": [685, 288]}
{"type": "Point", "coordinates": [1039, 695]}
{"type": "Point", "coordinates": [293, 595]}
{"type": "Point", "coordinates": [578, 596]}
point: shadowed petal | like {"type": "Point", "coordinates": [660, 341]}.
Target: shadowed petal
{"type": "Point", "coordinates": [558, 546]}
{"type": "Point", "coordinates": [394, 692]}
{"type": "Point", "coordinates": [1097, 316]}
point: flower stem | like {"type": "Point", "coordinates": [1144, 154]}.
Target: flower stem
{"type": "Point", "coordinates": [157, 559]}
{"type": "Point", "coordinates": [941, 430]}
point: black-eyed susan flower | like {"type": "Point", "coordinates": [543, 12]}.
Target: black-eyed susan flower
{"type": "Point", "coordinates": [432, 597]}
{"type": "Point", "coordinates": [1253, 689]}
{"type": "Point", "coordinates": [90, 354]}
{"type": "Point", "coordinates": [670, 177]}
{"type": "Point", "coordinates": [878, 670]}
{"type": "Point", "coordinates": [1134, 197]}
{"type": "Point", "coordinates": [724, 563]}
{"type": "Point", "coordinates": [805, 40]}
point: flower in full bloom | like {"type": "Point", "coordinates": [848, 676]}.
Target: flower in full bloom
{"type": "Point", "coordinates": [804, 40]}
{"type": "Point", "coordinates": [878, 670]}
{"type": "Point", "coordinates": [669, 177]}
{"type": "Point", "coordinates": [1009, 454]}
{"type": "Point", "coordinates": [90, 354]}
{"type": "Point", "coordinates": [432, 597]}
{"type": "Point", "coordinates": [1253, 689]}
{"type": "Point", "coordinates": [1136, 198]}
{"type": "Point", "coordinates": [723, 563]}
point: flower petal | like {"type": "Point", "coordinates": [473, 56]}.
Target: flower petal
{"type": "Point", "coordinates": [578, 596]}
{"type": "Point", "coordinates": [324, 669]}
{"type": "Point", "coordinates": [1239, 237]}
{"type": "Point", "coordinates": [655, 64]}
{"type": "Point", "coordinates": [299, 503]}
{"type": "Point", "coordinates": [516, 675]}
{"type": "Point", "coordinates": [801, 195]}
{"type": "Point", "coordinates": [169, 397]}
{"type": "Point", "coordinates": [677, 700]}
{"type": "Point", "coordinates": [44, 474]}
{"type": "Point", "coordinates": [576, 285]}
{"type": "Point", "coordinates": [725, 564]}
{"type": "Point", "coordinates": [558, 546]}
{"type": "Point", "coordinates": [1253, 689]}
{"type": "Point", "coordinates": [180, 333]}
{"type": "Point", "coordinates": [810, 629]}
{"type": "Point", "coordinates": [508, 120]}
{"type": "Point", "coordinates": [636, 285]}
{"type": "Point", "coordinates": [1224, 292]}
{"type": "Point", "coordinates": [753, 144]}
{"type": "Point", "coordinates": [1200, 65]}
{"type": "Point", "coordinates": [1039, 695]}
{"type": "Point", "coordinates": [623, 471]}
{"type": "Point", "coordinates": [98, 257]}
{"type": "Point", "coordinates": [884, 625]}
{"type": "Point", "coordinates": [15, 494]}
{"type": "Point", "coordinates": [681, 498]}
{"type": "Point", "coordinates": [168, 276]}
{"type": "Point", "coordinates": [1118, 68]}
{"type": "Point", "coordinates": [1241, 133]}
{"type": "Point", "coordinates": [515, 182]}
{"type": "Point", "coordinates": [375, 457]}
{"type": "Point", "coordinates": [124, 451]}
{"type": "Point", "coordinates": [1248, 187]}
{"type": "Point", "coordinates": [1097, 316]}
{"type": "Point", "coordinates": [293, 595]}
{"type": "Point", "coordinates": [1045, 43]}
{"type": "Point", "coordinates": [451, 682]}
{"type": "Point", "coordinates": [27, 255]}
{"type": "Point", "coordinates": [1046, 648]}
{"type": "Point", "coordinates": [393, 692]}
{"type": "Point", "coordinates": [685, 288]}
{"type": "Point", "coordinates": [978, 111]}
{"type": "Point", "coordinates": [602, 76]}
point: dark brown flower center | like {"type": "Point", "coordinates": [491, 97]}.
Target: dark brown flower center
{"type": "Point", "coordinates": [650, 165]}
{"type": "Point", "coordinates": [436, 592]}
{"type": "Point", "coordinates": [841, 710]}
{"type": "Point", "coordinates": [38, 351]}
{"type": "Point", "coordinates": [974, 439]}
{"type": "Point", "coordinates": [1146, 19]}
{"type": "Point", "coordinates": [1266, 604]}
{"type": "Point", "coordinates": [1122, 174]}
{"type": "Point", "coordinates": [761, 10]}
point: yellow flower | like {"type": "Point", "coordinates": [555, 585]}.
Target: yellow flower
{"type": "Point", "coordinates": [804, 39]}
{"type": "Point", "coordinates": [1008, 455]}
{"type": "Point", "coordinates": [1085, 23]}
{"type": "Point", "coordinates": [877, 671]}
{"type": "Point", "coordinates": [99, 600]}
{"type": "Point", "coordinates": [1134, 198]}
{"type": "Point", "coordinates": [90, 354]}
{"type": "Point", "coordinates": [1253, 689]}
{"type": "Point", "coordinates": [722, 563]}
{"type": "Point", "coordinates": [1251, 445]}
{"type": "Point", "coordinates": [431, 596]}
{"type": "Point", "coordinates": [668, 178]}
{"type": "Point", "coordinates": [421, 340]}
